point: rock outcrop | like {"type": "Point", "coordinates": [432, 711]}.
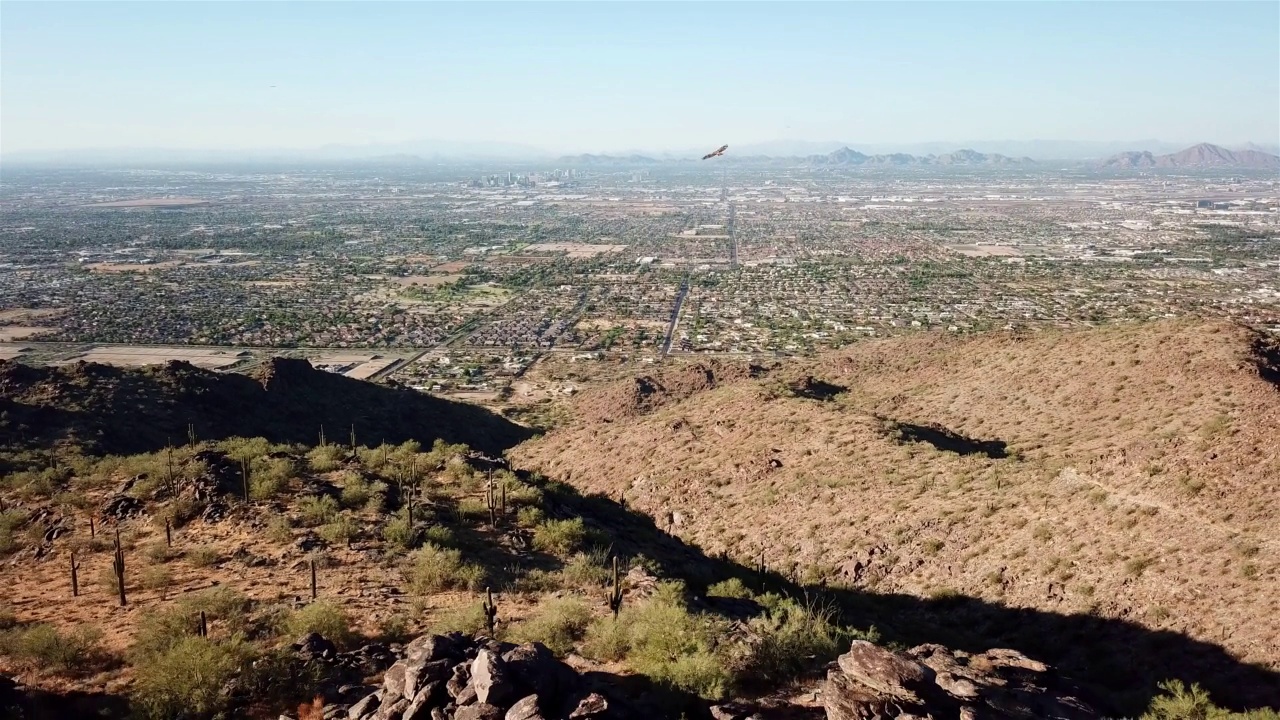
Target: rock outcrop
{"type": "Point", "coordinates": [930, 681]}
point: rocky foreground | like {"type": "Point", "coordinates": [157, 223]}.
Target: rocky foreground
{"type": "Point", "coordinates": [439, 677]}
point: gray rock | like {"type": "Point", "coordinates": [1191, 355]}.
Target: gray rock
{"type": "Point", "coordinates": [592, 706]}
{"type": "Point", "coordinates": [419, 674]}
{"type": "Point", "coordinates": [393, 681]}
{"type": "Point", "coordinates": [459, 681]}
{"type": "Point", "coordinates": [364, 708]}
{"type": "Point", "coordinates": [525, 709]}
{"type": "Point", "coordinates": [479, 711]}
{"type": "Point", "coordinates": [428, 698]}
{"type": "Point", "coordinates": [886, 672]}
{"type": "Point", "coordinates": [536, 668]}
{"type": "Point", "coordinates": [844, 699]}
{"type": "Point", "coordinates": [491, 681]}
{"type": "Point", "coordinates": [430, 648]}
{"type": "Point", "coordinates": [392, 711]}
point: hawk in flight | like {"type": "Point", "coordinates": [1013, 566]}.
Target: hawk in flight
{"type": "Point", "coordinates": [717, 153]}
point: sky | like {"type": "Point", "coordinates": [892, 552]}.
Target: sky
{"type": "Point", "coordinates": [613, 76]}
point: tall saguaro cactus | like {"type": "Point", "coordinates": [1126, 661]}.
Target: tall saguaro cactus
{"type": "Point", "coordinates": [75, 577]}
{"type": "Point", "coordinates": [490, 611]}
{"type": "Point", "coordinates": [118, 566]}
{"type": "Point", "coordinates": [615, 593]}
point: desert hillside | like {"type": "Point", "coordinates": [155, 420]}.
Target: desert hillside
{"type": "Point", "coordinates": [1126, 474]}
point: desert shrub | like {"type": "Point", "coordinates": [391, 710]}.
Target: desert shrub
{"type": "Point", "coordinates": [538, 581]}
{"type": "Point", "coordinates": [158, 630]}
{"type": "Point", "coordinates": [662, 639]}
{"type": "Point", "coordinates": [560, 537]}
{"type": "Point", "coordinates": [43, 646]}
{"type": "Point", "coordinates": [467, 619]}
{"type": "Point", "coordinates": [280, 678]}
{"type": "Point", "coordinates": [341, 530]}
{"type": "Point", "coordinates": [394, 629]}
{"type": "Point", "coordinates": [268, 477]}
{"type": "Point", "coordinates": [317, 509]}
{"type": "Point", "coordinates": [586, 570]}
{"type": "Point", "coordinates": [156, 577]}
{"type": "Point", "coordinates": [522, 495]}
{"type": "Point", "coordinates": [179, 511]}
{"type": "Point", "coordinates": [439, 535]}
{"type": "Point", "coordinates": [201, 556]}
{"type": "Point", "coordinates": [731, 588]}
{"type": "Point", "coordinates": [1179, 702]}
{"type": "Point", "coordinates": [107, 579]}
{"type": "Point", "coordinates": [7, 618]}
{"type": "Point", "coordinates": [791, 638]}
{"type": "Point", "coordinates": [431, 568]}
{"type": "Point", "coordinates": [528, 517]}
{"type": "Point", "coordinates": [186, 679]}
{"type": "Point", "coordinates": [558, 624]}
{"type": "Point", "coordinates": [325, 459]}
{"type": "Point", "coordinates": [356, 491]}
{"type": "Point", "coordinates": [245, 449]}
{"type": "Point", "coordinates": [442, 453]}
{"type": "Point", "coordinates": [324, 618]}
{"type": "Point", "coordinates": [399, 532]}
{"type": "Point", "coordinates": [10, 521]}
{"type": "Point", "coordinates": [472, 510]}
{"type": "Point", "coordinates": [280, 530]}
{"type": "Point", "coordinates": [158, 552]}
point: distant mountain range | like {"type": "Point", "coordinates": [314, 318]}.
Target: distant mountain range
{"type": "Point", "coordinates": [845, 156]}
{"type": "Point", "coordinates": [779, 153]}
{"type": "Point", "coordinates": [1202, 155]}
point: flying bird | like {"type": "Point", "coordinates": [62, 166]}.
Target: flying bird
{"type": "Point", "coordinates": [717, 153]}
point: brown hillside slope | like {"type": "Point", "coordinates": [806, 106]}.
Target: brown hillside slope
{"type": "Point", "coordinates": [113, 410]}
{"type": "Point", "coordinates": [1141, 482]}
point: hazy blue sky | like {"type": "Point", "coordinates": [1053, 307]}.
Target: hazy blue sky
{"type": "Point", "coordinates": [612, 76]}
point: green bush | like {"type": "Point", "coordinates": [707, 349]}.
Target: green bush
{"type": "Point", "coordinates": [1180, 702]}
{"type": "Point", "coordinates": [268, 477]}
{"type": "Point", "coordinates": [356, 491]}
{"type": "Point", "coordinates": [399, 532]}
{"type": "Point", "coordinates": [340, 531]}
{"type": "Point", "coordinates": [42, 646]}
{"type": "Point", "coordinates": [439, 535]}
{"type": "Point", "coordinates": [558, 624]}
{"type": "Point", "coordinates": [245, 449]}
{"type": "Point", "coordinates": [318, 509]}
{"type": "Point", "coordinates": [560, 537]}
{"type": "Point", "coordinates": [660, 638]}
{"type": "Point", "coordinates": [539, 581]}
{"type": "Point", "coordinates": [528, 517]}
{"type": "Point", "coordinates": [731, 588]}
{"type": "Point", "coordinates": [186, 679]}
{"type": "Point", "coordinates": [792, 638]}
{"type": "Point", "coordinates": [431, 569]}
{"type": "Point", "coordinates": [280, 530]}
{"type": "Point", "coordinates": [467, 619]}
{"type": "Point", "coordinates": [10, 521]}
{"type": "Point", "coordinates": [158, 630]}
{"type": "Point", "coordinates": [394, 629]}
{"type": "Point", "coordinates": [325, 459]}
{"type": "Point", "coordinates": [202, 556]}
{"type": "Point", "coordinates": [156, 577]}
{"type": "Point", "coordinates": [322, 617]}
{"type": "Point", "coordinates": [586, 570]}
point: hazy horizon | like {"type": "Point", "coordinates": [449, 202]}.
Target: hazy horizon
{"type": "Point", "coordinates": [616, 78]}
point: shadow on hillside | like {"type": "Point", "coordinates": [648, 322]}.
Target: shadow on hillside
{"type": "Point", "coordinates": [1116, 663]}
{"type": "Point", "coordinates": [118, 411]}
{"type": "Point", "coordinates": [944, 439]}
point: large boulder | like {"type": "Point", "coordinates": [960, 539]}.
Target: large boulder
{"type": "Point", "coordinates": [885, 671]}
{"type": "Point", "coordinates": [931, 681]}
{"type": "Point", "coordinates": [491, 680]}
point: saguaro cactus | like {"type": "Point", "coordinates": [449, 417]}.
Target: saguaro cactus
{"type": "Point", "coordinates": [615, 593]}
{"type": "Point", "coordinates": [75, 576]}
{"type": "Point", "coordinates": [313, 578]}
{"type": "Point", "coordinates": [490, 611]}
{"type": "Point", "coordinates": [118, 566]}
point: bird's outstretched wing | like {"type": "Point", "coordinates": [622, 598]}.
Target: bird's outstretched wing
{"type": "Point", "coordinates": [716, 153]}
